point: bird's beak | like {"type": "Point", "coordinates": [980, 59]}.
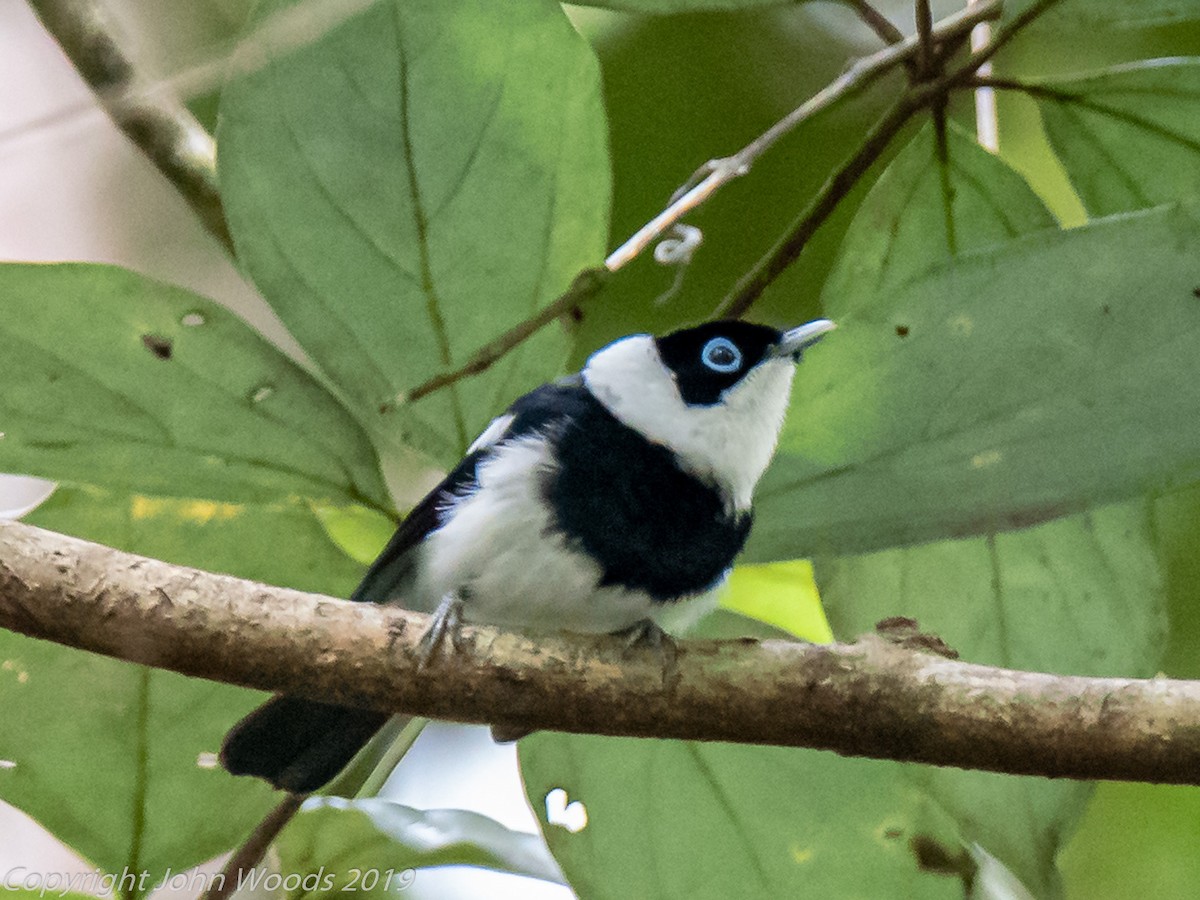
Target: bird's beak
{"type": "Point", "coordinates": [797, 339]}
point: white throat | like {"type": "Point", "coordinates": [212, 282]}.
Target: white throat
{"type": "Point", "coordinates": [729, 443]}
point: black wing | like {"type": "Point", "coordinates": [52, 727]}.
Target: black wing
{"type": "Point", "coordinates": [395, 562]}
{"type": "Point", "coordinates": [536, 411]}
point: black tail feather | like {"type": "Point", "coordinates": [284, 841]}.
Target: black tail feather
{"type": "Point", "coordinates": [298, 745]}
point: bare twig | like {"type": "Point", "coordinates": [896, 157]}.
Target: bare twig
{"type": "Point", "coordinates": [856, 699]}
{"type": "Point", "coordinates": [987, 124]}
{"type": "Point", "coordinates": [877, 21]}
{"type": "Point", "coordinates": [247, 857]}
{"type": "Point", "coordinates": [925, 47]}
{"type": "Point", "coordinates": [158, 124]}
{"type": "Point", "coordinates": [586, 285]}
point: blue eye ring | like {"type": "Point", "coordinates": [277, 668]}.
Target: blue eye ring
{"type": "Point", "coordinates": [721, 355]}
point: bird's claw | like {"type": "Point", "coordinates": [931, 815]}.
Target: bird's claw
{"type": "Point", "coordinates": [447, 620]}
{"type": "Point", "coordinates": [648, 633]}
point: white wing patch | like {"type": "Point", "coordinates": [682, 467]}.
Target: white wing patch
{"type": "Point", "coordinates": [496, 429]}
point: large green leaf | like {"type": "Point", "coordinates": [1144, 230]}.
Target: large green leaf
{"type": "Point", "coordinates": [941, 197]}
{"type": "Point", "coordinates": [115, 380]}
{"type": "Point", "coordinates": [1136, 840]}
{"type": "Point", "coordinates": [117, 760]}
{"type": "Point", "coordinates": [1078, 15]}
{"type": "Point", "coordinates": [408, 185]}
{"type": "Point", "coordinates": [672, 819]}
{"type": "Point", "coordinates": [368, 848]}
{"type": "Point", "coordinates": [1013, 385]}
{"type": "Point", "coordinates": [1081, 595]}
{"type": "Point", "coordinates": [1129, 136]}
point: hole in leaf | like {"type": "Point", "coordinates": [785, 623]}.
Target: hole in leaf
{"type": "Point", "coordinates": [933, 856]}
{"type": "Point", "coordinates": [261, 393]}
{"type": "Point", "coordinates": [7, 764]}
{"type": "Point", "coordinates": [159, 346]}
{"type": "Point", "coordinates": [207, 760]}
{"type": "Point", "coordinates": [192, 319]}
{"type": "Point", "coordinates": [569, 815]}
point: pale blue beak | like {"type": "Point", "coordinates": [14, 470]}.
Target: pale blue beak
{"type": "Point", "coordinates": [795, 340]}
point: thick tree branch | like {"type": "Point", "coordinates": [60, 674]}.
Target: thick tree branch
{"type": "Point", "coordinates": [161, 126]}
{"type": "Point", "coordinates": [870, 698]}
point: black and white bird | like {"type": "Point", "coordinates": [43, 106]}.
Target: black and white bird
{"type": "Point", "coordinates": [591, 503]}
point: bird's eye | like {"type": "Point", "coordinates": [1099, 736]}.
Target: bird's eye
{"type": "Point", "coordinates": [721, 355]}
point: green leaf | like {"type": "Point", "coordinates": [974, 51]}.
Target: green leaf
{"type": "Point", "coordinates": [1137, 840]}
{"type": "Point", "coordinates": [671, 819]}
{"type": "Point", "coordinates": [410, 184]}
{"type": "Point", "coordinates": [116, 760]}
{"type": "Point", "coordinates": [1082, 595]}
{"type": "Point", "coordinates": [1075, 15]}
{"type": "Point", "coordinates": [114, 380]}
{"type": "Point", "coordinates": [940, 197]}
{"type": "Point", "coordinates": [369, 847]}
{"type": "Point", "coordinates": [1128, 137]}
{"type": "Point", "coordinates": [1014, 385]}
{"type": "Point", "coordinates": [780, 594]}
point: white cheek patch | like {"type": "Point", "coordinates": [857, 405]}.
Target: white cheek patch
{"type": "Point", "coordinates": [730, 443]}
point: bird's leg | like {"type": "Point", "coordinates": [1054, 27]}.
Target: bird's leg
{"type": "Point", "coordinates": [647, 633]}
{"type": "Point", "coordinates": [447, 619]}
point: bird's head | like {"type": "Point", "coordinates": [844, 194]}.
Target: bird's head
{"type": "Point", "coordinates": [715, 394]}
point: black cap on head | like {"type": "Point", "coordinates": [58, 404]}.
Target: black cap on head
{"type": "Point", "coordinates": [711, 358]}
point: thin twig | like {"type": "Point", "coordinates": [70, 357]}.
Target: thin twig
{"type": "Point", "coordinates": [987, 123]}
{"type": "Point", "coordinates": [249, 855]}
{"type": "Point", "coordinates": [162, 127]}
{"type": "Point", "coordinates": [925, 48]}
{"type": "Point", "coordinates": [705, 182]}
{"type": "Point", "coordinates": [586, 285]}
{"type": "Point", "coordinates": [852, 698]}
{"type": "Point", "coordinates": [877, 21]}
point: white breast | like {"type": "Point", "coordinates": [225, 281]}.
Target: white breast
{"type": "Point", "coordinates": [500, 550]}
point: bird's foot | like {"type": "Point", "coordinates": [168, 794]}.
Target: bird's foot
{"type": "Point", "coordinates": [447, 620]}
{"type": "Point", "coordinates": [647, 633]}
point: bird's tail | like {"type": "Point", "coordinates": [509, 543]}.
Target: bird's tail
{"type": "Point", "coordinates": [298, 745]}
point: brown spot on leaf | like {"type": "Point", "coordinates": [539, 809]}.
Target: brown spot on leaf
{"type": "Point", "coordinates": [1105, 309]}
{"type": "Point", "coordinates": [159, 346]}
{"type": "Point", "coordinates": [1196, 292]}
{"type": "Point", "coordinates": [902, 331]}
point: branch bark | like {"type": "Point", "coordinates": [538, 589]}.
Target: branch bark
{"type": "Point", "coordinates": [869, 698]}
{"type": "Point", "coordinates": [162, 127]}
